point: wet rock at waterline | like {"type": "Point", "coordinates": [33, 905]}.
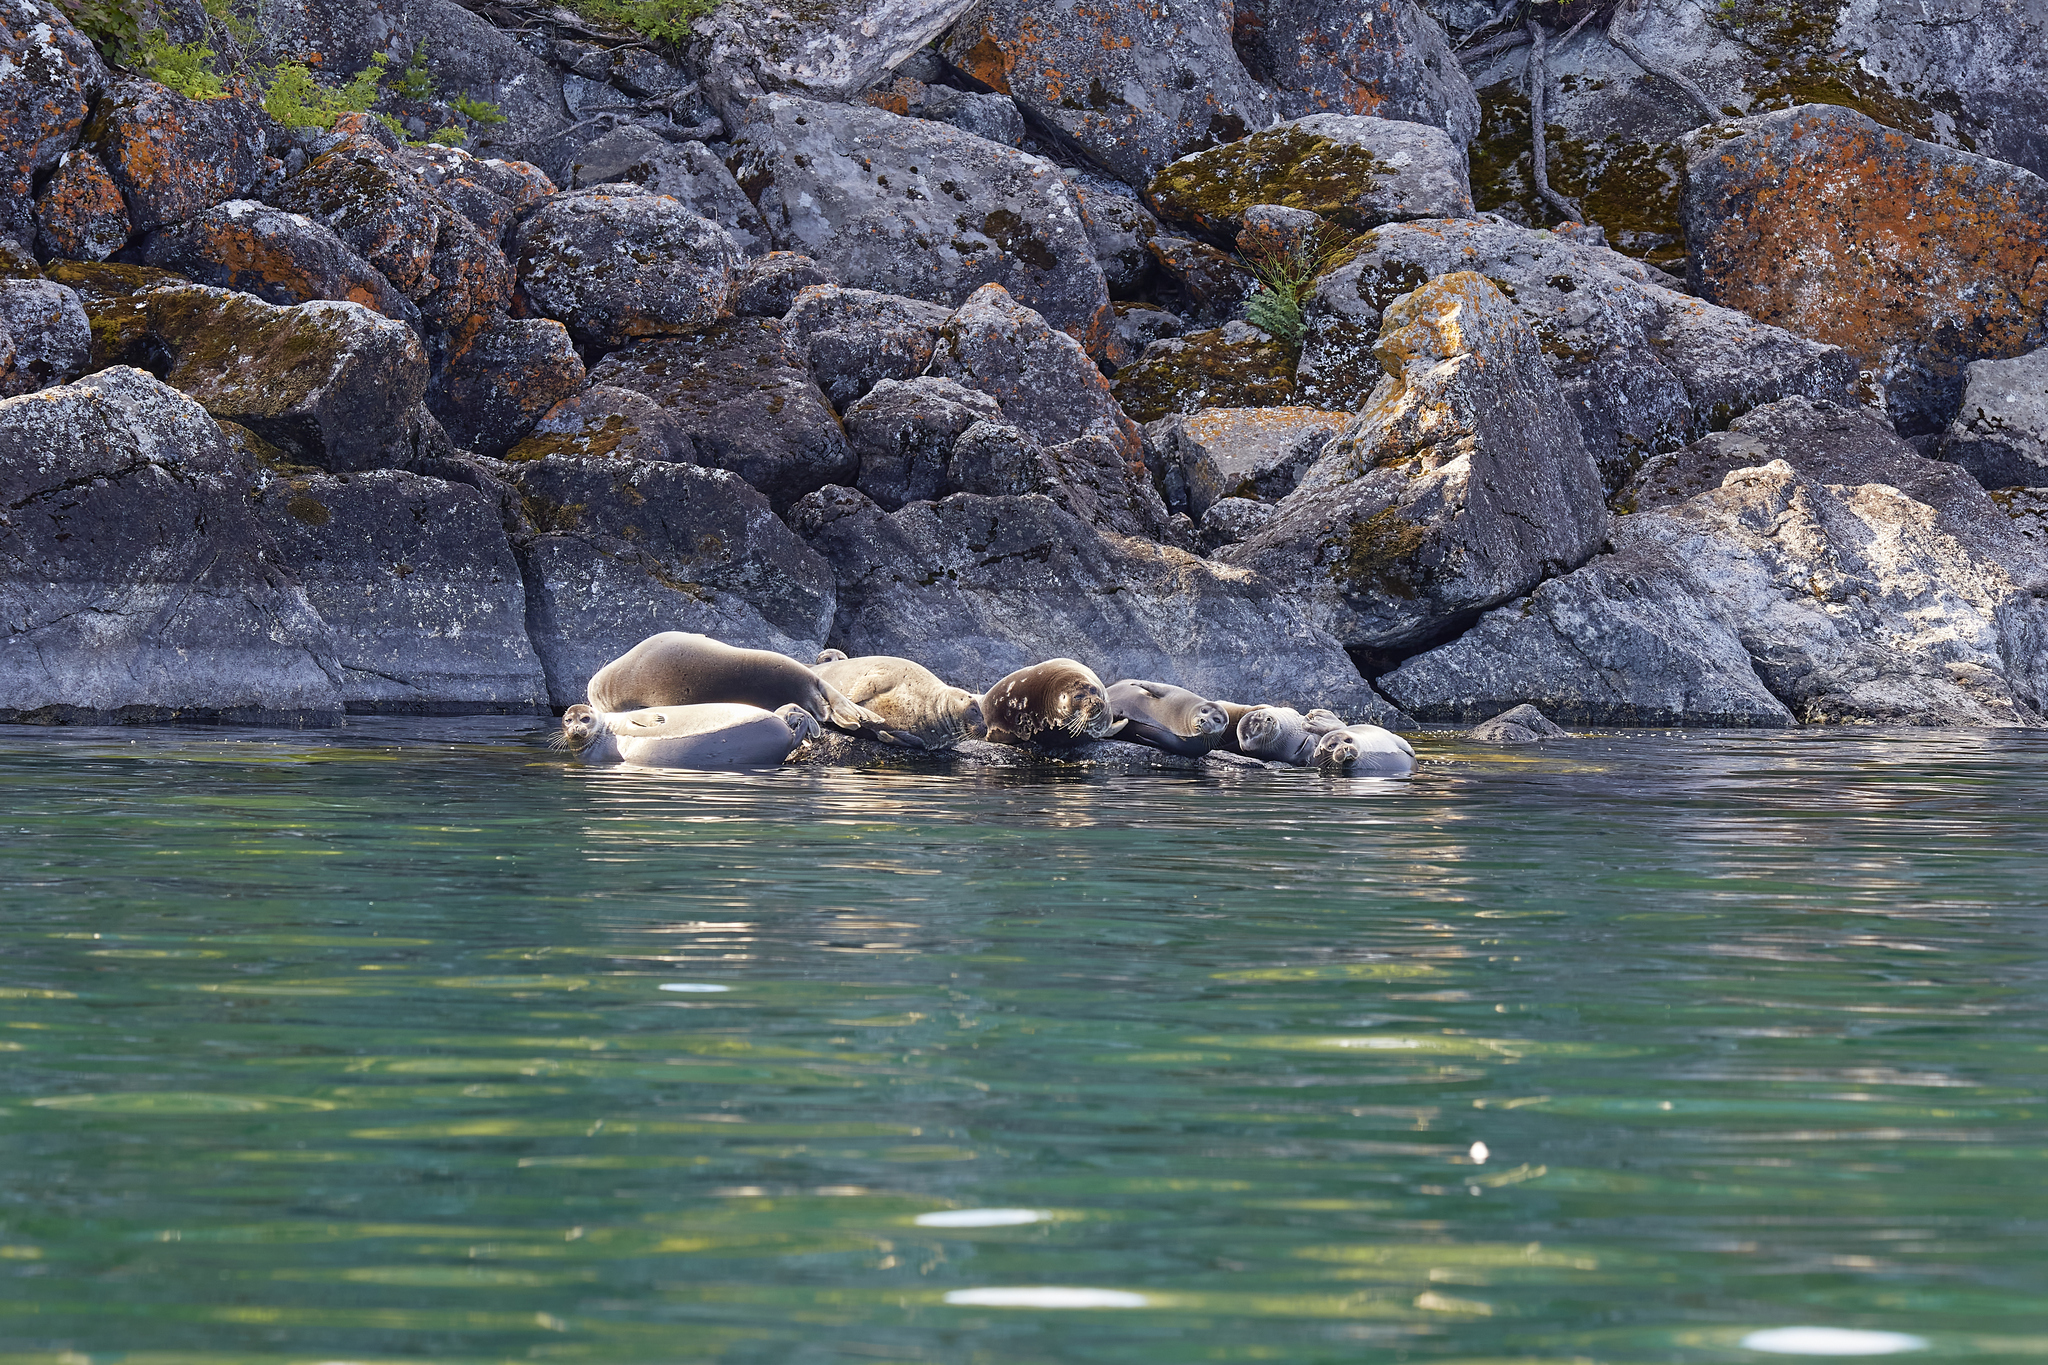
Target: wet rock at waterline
{"type": "Point", "coordinates": [1522, 724]}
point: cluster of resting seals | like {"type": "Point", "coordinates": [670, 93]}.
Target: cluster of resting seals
{"type": "Point", "coordinates": [678, 700]}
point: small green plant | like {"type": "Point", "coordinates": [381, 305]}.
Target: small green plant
{"type": "Point", "coordinates": [416, 82]}
{"type": "Point", "coordinates": [477, 111]}
{"type": "Point", "coordinates": [184, 67]}
{"type": "Point", "coordinates": [666, 20]}
{"type": "Point", "coordinates": [296, 100]}
{"type": "Point", "coordinates": [222, 12]}
{"type": "Point", "coordinates": [115, 26]}
{"type": "Point", "coordinates": [1287, 269]}
{"type": "Point", "coordinates": [448, 137]}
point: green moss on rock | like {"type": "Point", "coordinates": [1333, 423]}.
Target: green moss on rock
{"type": "Point", "coordinates": [1285, 165]}
{"type": "Point", "coordinates": [1208, 370]}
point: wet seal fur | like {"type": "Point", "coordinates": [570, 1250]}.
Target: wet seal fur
{"type": "Point", "coordinates": [919, 709]}
{"type": "Point", "coordinates": [1281, 734]}
{"type": "Point", "coordinates": [679, 669]}
{"type": "Point", "coordinates": [1367, 751]}
{"type": "Point", "coordinates": [707, 735]}
{"type": "Point", "coordinates": [1169, 718]}
{"type": "Point", "coordinates": [1053, 705]}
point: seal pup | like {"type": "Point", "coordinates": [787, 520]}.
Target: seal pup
{"type": "Point", "coordinates": [1278, 734]}
{"type": "Point", "coordinates": [1366, 750]}
{"type": "Point", "coordinates": [1054, 705]}
{"type": "Point", "coordinates": [1168, 717]}
{"type": "Point", "coordinates": [675, 668]}
{"type": "Point", "coordinates": [828, 656]}
{"type": "Point", "coordinates": [919, 709]}
{"type": "Point", "coordinates": [707, 735]}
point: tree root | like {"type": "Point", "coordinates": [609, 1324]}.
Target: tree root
{"type": "Point", "coordinates": [1539, 163]}
{"type": "Point", "coordinates": [1656, 68]}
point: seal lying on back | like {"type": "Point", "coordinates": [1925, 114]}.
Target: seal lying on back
{"type": "Point", "coordinates": [1168, 717]}
{"type": "Point", "coordinates": [678, 669]}
{"type": "Point", "coordinates": [1367, 750]}
{"type": "Point", "coordinates": [1278, 734]}
{"type": "Point", "coordinates": [918, 709]}
{"type": "Point", "coordinates": [1054, 705]}
{"type": "Point", "coordinates": [709, 735]}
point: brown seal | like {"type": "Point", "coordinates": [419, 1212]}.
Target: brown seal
{"type": "Point", "coordinates": [918, 708]}
{"type": "Point", "coordinates": [1054, 705]}
{"type": "Point", "coordinates": [679, 669]}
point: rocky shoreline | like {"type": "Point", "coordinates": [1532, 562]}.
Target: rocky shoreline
{"type": "Point", "coordinates": [1251, 352]}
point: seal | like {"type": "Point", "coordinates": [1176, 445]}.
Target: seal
{"type": "Point", "coordinates": [679, 669]}
{"type": "Point", "coordinates": [918, 709]}
{"type": "Point", "coordinates": [1053, 705]}
{"type": "Point", "coordinates": [828, 656]}
{"type": "Point", "coordinates": [1278, 734]}
{"type": "Point", "coordinates": [1366, 750]}
{"type": "Point", "coordinates": [1321, 722]}
{"type": "Point", "coordinates": [707, 735]}
{"type": "Point", "coordinates": [1168, 717]}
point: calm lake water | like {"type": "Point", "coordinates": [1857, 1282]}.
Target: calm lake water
{"type": "Point", "coordinates": [412, 1042]}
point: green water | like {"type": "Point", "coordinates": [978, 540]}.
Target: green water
{"type": "Point", "coordinates": [353, 1046]}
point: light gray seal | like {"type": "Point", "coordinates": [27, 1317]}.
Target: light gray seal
{"type": "Point", "coordinates": [1366, 750]}
{"type": "Point", "coordinates": [919, 710]}
{"type": "Point", "coordinates": [827, 656]}
{"type": "Point", "coordinates": [707, 735]}
{"type": "Point", "coordinates": [679, 669]}
{"type": "Point", "coordinates": [1278, 734]}
{"type": "Point", "coordinates": [1168, 717]}
{"type": "Point", "coordinates": [1053, 705]}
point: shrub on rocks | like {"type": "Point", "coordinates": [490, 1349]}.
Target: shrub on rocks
{"type": "Point", "coordinates": [747, 402]}
{"type": "Point", "coordinates": [115, 610]}
{"type": "Point", "coordinates": [44, 336]}
{"type": "Point", "coordinates": [277, 256]}
{"type": "Point", "coordinates": [615, 550]}
{"type": "Point", "coordinates": [602, 422]}
{"type": "Point", "coordinates": [54, 75]}
{"type": "Point", "coordinates": [1232, 366]}
{"type": "Point", "coordinates": [1384, 57]}
{"type": "Point", "coordinates": [1466, 482]}
{"type": "Point", "coordinates": [80, 214]}
{"type": "Point", "coordinates": [1356, 172]}
{"type": "Point", "coordinates": [618, 262]}
{"type": "Point", "coordinates": [510, 373]}
{"type": "Point", "coordinates": [172, 157]}
{"type": "Point", "coordinates": [2001, 434]}
{"type": "Point", "coordinates": [1915, 258]}
{"type": "Point", "coordinates": [855, 338]}
{"type": "Point", "coordinates": [914, 208]}
{"type": "Point", "coordinates": [417, 585]}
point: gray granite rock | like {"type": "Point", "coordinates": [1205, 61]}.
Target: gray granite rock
{"type": "Point", "coordinates": [278, 256]}
{"type": "Point", "coordinates": [1522, 724]}
{"type": "Point", "coordinates": [44, 336]}
{"type": "Point", "coordinates": [904, 432]}
{"type": "Point", "coordinates": [506, 376]}
{"type": "Point", "coordinates": [619, 262]}
{"type": "Point", "coordinates": [54, 76]}
{"type": "Point", "coordinates": [603, 422]}
{"type": "Point", "coordinates": [2001, 434]}
{"type": "Point", "coordinates": [1388, 58]}
{"type": "Point", "coordinates": [687, 172]}
{"type": "Point", "coordinates": [1221, 453]}
{"type": "Point", "coordinates": [853, 339]}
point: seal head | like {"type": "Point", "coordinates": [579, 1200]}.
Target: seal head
{"type": "Point", "coordinates": [1053, 705]}
{"type": "Point", "coordinates": [1365, 750]}
{"type": "Point", "coordinates": [918, 709]}
{"type": "Point", "coordinates": [1167, 717]}
{"type": "Point", "coordinates": [1278, 734]}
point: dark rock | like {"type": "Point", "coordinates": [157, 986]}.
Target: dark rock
{"type": "Point", "coordinates": [2001, 434]}
{"type": "Point", "coordinates": [1356, 172]}
{"type": "Point", "coordinates": [767, 286]}
{"type": "Point", "coordinates": [491, 194]}
{"type": "Point", "coordinates": [172, 157]}
{"type": "Point", "coordinates": [1517, 725]}
{"type": "Point", "coordinates": [1129, 86]}
{"type": "Point", "coordinates": [1138, 325]}
{"type": "Point", "coordinates": [1220, 453]}
{"type": "Point", "coordinates": [687, 172]}
{"type": "Point", "coordinates": [1118, 227]}
{"type": "Point", "coordinates": [1385, 57]}
{"type": "Point", "coordinates": [747, 402]}
{"type": "Point", "coordinates": [1915, 258]}
{"type": "Point", "coordinates": [976, 587]}
{"type": "Point", "coordinates": [511, 373]}
{"type": "Point", "coordinates": [44, 336]}
{"type": "Point", "coordinates": [752, 45]}
{"type": "Point", "coordinates": [903, 432]}
{"type": "Point", "coordinates": [994, 117]}
{"type": "Point", "coordinates": [80, 214]}
{"type": "Point", "coordinates": [616, 550]}
{"type": "Point", "coordinates": [1212, 286]}
{"type": "Point", "coordinates": [54, 75]}
{"type": "Point", "coordinates": [607, 423]}
{"type": "Point", "coordinates": [1232, 366]}
{"type": "Point", "coordinates": [618, 262]}
{"type": "Point", "coordinates": [277, 256]}
{"type": "Point", "coordinates": [919, 209]}
{"type": "Point", "coordinates": [855, 338]}
{"type": "Point", "coordinates": [1229, 520]}
{"type": "Point", "coordinates": [1465, 483]}
{"type": "Point", "coordinates": [996, 460]}
{"type": "Point", "coordinates": [114, 609]}
{"type": "Point", "coordinates": [417, 585]}
{"type": "Point", "coordinates": [333, 384]}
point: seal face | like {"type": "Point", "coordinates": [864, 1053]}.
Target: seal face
{"type": "Point", "coordinates": [675, 668]}
{"type": "Point", "coordinates": [1278, 734]}
{"type": "Point", "coordinates": [1053, 705]}
{"type": "Point", "coordinates": [1168, 717]}
{"type": "Point", "coordinates": [706, 735]}
{"type": "Point", "coordinates": [918, 709]}
{"type": "Point", "coordinates": [1366, 750]}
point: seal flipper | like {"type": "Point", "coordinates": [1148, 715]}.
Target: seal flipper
{"type": "Point", "coordinates": [845, 714]}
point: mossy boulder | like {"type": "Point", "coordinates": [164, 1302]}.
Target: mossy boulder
{"type": "Point", "coordinates": [603, 422]}
{"type": "Point", "coordinates": [1232, 366]}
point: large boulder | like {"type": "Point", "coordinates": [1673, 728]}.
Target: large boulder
{"type": "Point", "coordinates": [332, 384]}
{"type": "Point", "coordinates": [1915, 258]}
{"type": "Point", "coordinates": [1044, 381]}
{"type": "Point", "coordinates": [1465, 483]}
{"type": "Point", "coordinates": [616, 550]}
{"type": "Point", "coordinates": [1643, 367]}
{"type": "Point", "coordinates": [853, 339]}
{"type": "Point", "coordinates": [687, 172]}
{"type": "Point", "coordinates": [278, 256]}
{"type": "Point", "coordinates": [1357, 172]}
{"type": "Point", "coordinates": [747, 402]}
{"type": "Point", "coordinates": [508, 374]}
{"type": "Point", "coordinates": [1232, 366]}
{"type": "Point", "coordinates": [903, 432]}
{"type": "Point", "coordinates": [747, 46]}
{"type": "Point", "coordinates": [1804, 566]}
{"type": "Point", "coordinates": [1388, 58]}
{"type": "Point", "coordinates": [80, 214]}
{"type": "Point", "coordinates": [53, 76]}
{"type": "Point", "coordinates": [114, 609]}
{"type": "Point", "coordinates": [975, 587]}
{"type": "Point", "coordinates": [171, 156]}
{"type": "Point", "coordinates": [620, 262]}
{"type": "Point", "coordinates": [44, 336]}
{"type": "Point", "coordinates": [1129, 86]}
{"type": "Point", "coordinates": [418, 586]}
{"type": "Point", "coordinates": [2001, 434]}
{"type": "Point", "coordinates": [1256, 453]}
{"type": "Point", "coordinates": [904, 206]}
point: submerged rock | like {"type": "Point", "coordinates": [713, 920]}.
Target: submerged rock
{"type": "Point", "coordinates": [2001, 434]}
{"type": "Point", "coordinates": [1522, 724]}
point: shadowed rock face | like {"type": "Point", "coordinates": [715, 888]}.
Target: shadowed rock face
{"type": "Point", "coordinates": [1915, 258]}
{"type": "Point", "coordinates": [1387, 58]}
{"type": "Point", "coordinates": [1129, 86]}
{"type": "Point", "coordinates": [279, 257]}
{"type": "Point", "coordinates": [855, 338]}
{"type": "Point", "coordinates": [910, 207]}
{"type": "Point", "coordinates": [508, 374]}
{"type": "Point", "coordinates": [171, 156]}
{"type": "Point", "coordinates": [2001, 434]}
